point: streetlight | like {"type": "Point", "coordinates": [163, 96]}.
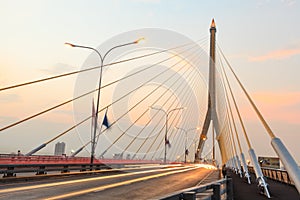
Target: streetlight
{"type": "Point", "coordinates": [99, 86]}
{"type": "Point", "coordinates": [166, 123]}
{"type": "Point", "coordinates": [185, 145]}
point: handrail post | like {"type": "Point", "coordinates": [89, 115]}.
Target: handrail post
{"type": "Point", "coordinates": [229, 189]}
{"type": "Point", "coordinates": [191, 195]}
{"type": "Point", "coordinates": [259, 175]}
{"type": "Point", "coordinates": [216, 191]}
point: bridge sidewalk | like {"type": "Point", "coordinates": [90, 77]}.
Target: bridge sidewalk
{"type": "Point", "coordinates": [279, 191]}
{"type": "Point", "coordinates": [211, 177]}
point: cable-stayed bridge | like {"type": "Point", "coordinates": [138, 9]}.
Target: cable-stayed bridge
{"type": "Point", "coordinates": [160, 99]}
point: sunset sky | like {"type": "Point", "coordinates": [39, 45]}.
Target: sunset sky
{"type": "Point", "coordinates": [261, 39]}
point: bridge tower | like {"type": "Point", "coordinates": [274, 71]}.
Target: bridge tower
{"type": "Point", "coordinates": [211, 114]}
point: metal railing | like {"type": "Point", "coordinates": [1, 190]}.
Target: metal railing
{"type": "Point", "coordinates": [20, 159]}
{"type": "Point", "coordinates": [217, 190]}
{"type": "Point", "coordinates": [11, 165]}
{"type": "Point", "coordinates": [40, 169]}
{"type": "Point", "coordinates": [275, 174]}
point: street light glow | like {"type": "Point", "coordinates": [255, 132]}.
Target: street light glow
{"type": "Point", "coordinates": [203, 137]}
{"type": "Point", "coordinates": [140, 40]}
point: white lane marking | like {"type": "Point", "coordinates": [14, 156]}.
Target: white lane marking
{"type": "Point", "coordinates": [84, 180]}
{"type": "Point", "coordinates": [101, 188]}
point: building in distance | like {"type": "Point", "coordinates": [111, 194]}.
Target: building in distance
{"type": "Point", "coordinates": [59, 148]}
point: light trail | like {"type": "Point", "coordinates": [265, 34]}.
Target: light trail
{"type": "Point", "coordinates": [101, 188]}
{"type": "Point", "coordinates": [86, 180]}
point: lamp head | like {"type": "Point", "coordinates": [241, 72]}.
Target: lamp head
{"type": "Point", "coordinates": [139, 40]}
{"type": "Point", "coordinates": [69, 44]}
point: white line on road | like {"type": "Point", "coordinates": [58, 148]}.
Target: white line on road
{"type": "Point", "coordinates": [101, 188]}
{"type": "Point", "coordinates": [85, 180]}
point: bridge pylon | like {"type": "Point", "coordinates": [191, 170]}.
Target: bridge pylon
{"type": "Point", "coordinates": [211, 114]}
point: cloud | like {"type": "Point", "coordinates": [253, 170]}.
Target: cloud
{"type": "Point", "coordinates": [58, 68]}
{"type": "Point", "coordinates": [237, 56]}
{"type": "Point", "coordinates": [63, 115]}
{"type": "Point", "coordinates": [4, 120]}
{"type": "Point", "coordinates": [284, 2]}
{"type": "Point", "coordinates": [278, 98]}
{"type": "Point", "coordinates": [64, 112]}
{"type": "Point", "coordinates": [146, 1]}
{"type": "Point", "coordinates": [288, 2]}
{"type": "Point", "coordinates": [276, 55]}
{"type": "Point", "coordinates": [9, 98]}
{"type": "Point", "coordinates": [276, 106]}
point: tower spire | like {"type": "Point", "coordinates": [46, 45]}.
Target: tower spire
{"type": "Point", "coordinates": [211, 115]}
{"type": "Point", "coordinates": [213, 24]}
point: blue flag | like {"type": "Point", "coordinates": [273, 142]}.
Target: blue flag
{"type": "Point", "coordinates": [187, 152]}
{"type": "Point", "coordinates": [105, 120]}
{"type": "Point", "coordinates": [168, 143]}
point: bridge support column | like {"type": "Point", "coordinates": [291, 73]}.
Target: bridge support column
{"type": "Point", "coordinates": [83, 169]}
{"type": "Point", "coordinates": [246, 173]}
{"type": "Point", "coordinates": [259, 175]}
{"type": "Point", "coordinates": [9, 172]}
{"type": "Point", "coordinates": [238, 162]}
{"type": "Point", "coordinates": [232, 161]}
{"type": "Point", "coordinates": [65, 169]}
{"type": "Point", "coordinates": [288, 161]}
{"type": "Point", "coordinates": [41, 170]}
{"type": "Point", "coordinates": [234, 164]}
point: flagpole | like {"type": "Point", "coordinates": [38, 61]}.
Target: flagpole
{"type": "Point", "coordinates": [107, 126]}
{"type": "Point", "coordinates": [99, 86]}
{"type": "Point", "coordinates": [166, 130]}
{"type": "Point", "coordinates": [93, 117]}
{"type": "Point", "coordinates": [185, 144]}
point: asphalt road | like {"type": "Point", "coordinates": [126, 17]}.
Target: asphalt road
{"type": "Point", "coordinates": [142, 183]}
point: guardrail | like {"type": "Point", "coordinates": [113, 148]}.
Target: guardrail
{"type": "Point", "coordinates": [39, 169]}
{"type": "Point", "coordinates": [275, 174]}
{"type": "Point", "coordinates": [10, 166]}
{"type": "Point", "coordinates": [20, 159]}
{"type": "Point", "coordinates": [217, 190]}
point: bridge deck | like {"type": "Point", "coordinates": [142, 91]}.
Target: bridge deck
{"type": "Point", "coordinates": [243, 191]}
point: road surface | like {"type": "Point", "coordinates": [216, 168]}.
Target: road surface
{"type": "Point", "coordinates": [142, 183]}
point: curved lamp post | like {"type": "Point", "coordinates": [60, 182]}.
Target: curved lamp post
{"type": "Point", "coordinates": [99, 86]}
{"type": "Point", "coordinates": [185, 145]}
{"type": "Point", "coordinates": [166, 124]}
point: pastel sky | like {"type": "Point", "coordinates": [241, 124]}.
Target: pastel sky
{"type": "Point", "coordinates": [261, 39]}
